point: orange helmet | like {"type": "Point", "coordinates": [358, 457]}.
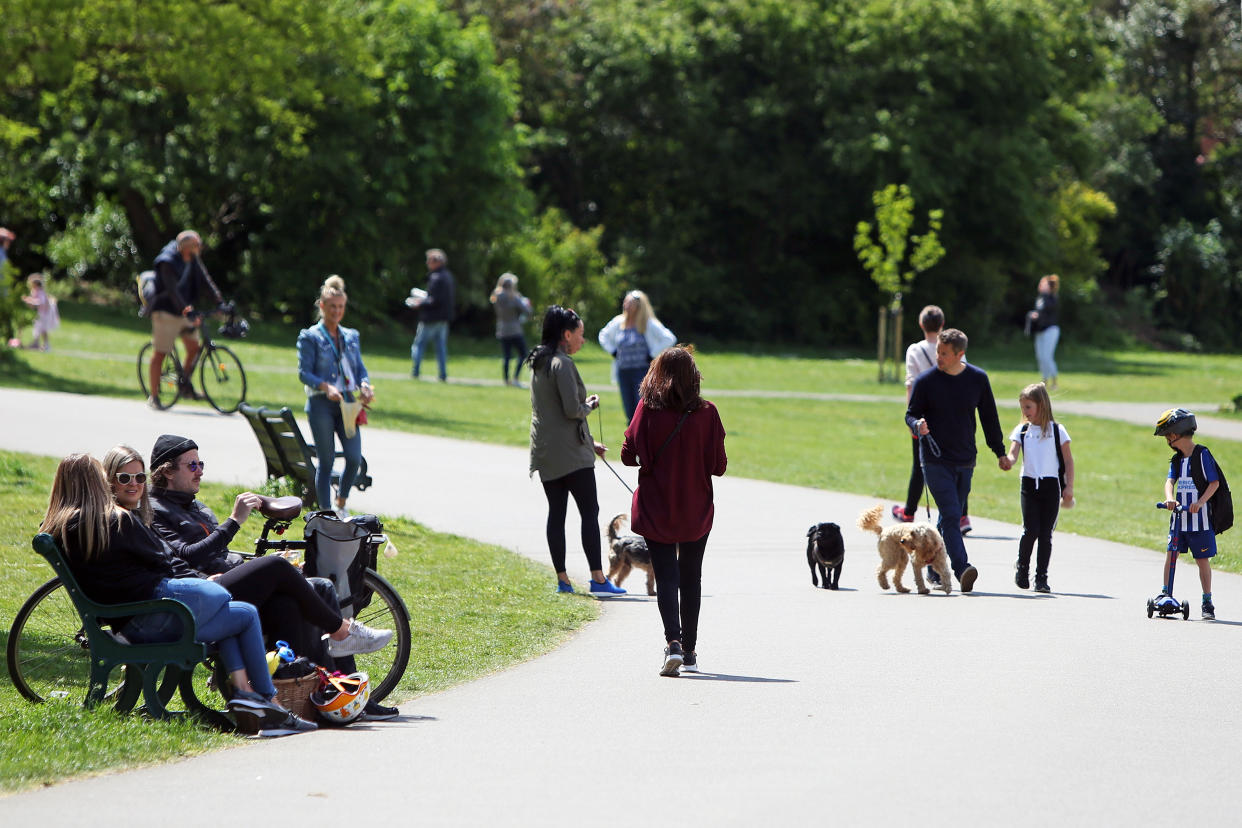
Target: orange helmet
{"type": "Point", "coordinates": [342, 699]}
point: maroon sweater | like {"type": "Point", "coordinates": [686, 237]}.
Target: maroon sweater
{"type": "Point", "coordinates": [673, 502]}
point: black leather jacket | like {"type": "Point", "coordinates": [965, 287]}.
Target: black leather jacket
{"type": "Point", "coordinates": [192, 532]}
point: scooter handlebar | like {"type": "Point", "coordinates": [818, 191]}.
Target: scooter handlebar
{"type": "Point", "coordinates": [1163, 505]}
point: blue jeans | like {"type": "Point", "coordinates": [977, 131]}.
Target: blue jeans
{"type": "Point", "coordinates": [1045, 350]}
{"type": "Point", "coordinates": [233, 626]}
{"type": "Point", "coordinates": [630, 379]}
{"type": "Point", "coordinates": [437, 332]}
{"type": "Point", "coordinates": [326, 425]}
{"type": "Point", "coordinates": [950, 486]}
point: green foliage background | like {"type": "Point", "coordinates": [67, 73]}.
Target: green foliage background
{"type": "Point", "coordinates": [716, 153]}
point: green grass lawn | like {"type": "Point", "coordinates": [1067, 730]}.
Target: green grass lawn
{"type": "Point", "coordinates": [441, 578]}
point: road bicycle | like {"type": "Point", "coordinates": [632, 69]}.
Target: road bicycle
{"type": "Point", "coordinates": [49, 656]}
{"type": "Point", "coordinates": [220, 373]}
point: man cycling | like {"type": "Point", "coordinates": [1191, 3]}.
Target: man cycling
{"type": "Point", "coordinates": [179, 279]}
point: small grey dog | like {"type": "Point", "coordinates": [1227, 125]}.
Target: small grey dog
{"type": "Point", "coordinates": [825, 549]}
{"type": "Point", "coordinates": [628, 551]}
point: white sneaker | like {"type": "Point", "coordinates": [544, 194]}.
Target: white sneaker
{"type": "Point", "coordinates": [690, 662]}
{"type": "Point", "coordinates": [341, 512]}
{"type": "Point", "coordinates": [361, 639]}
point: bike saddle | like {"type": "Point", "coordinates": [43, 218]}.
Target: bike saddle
{"type": "Point", "coordinates": [280, 508]}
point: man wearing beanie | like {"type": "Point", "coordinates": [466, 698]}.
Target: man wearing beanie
{"type": "Point", "coordinates": [193, 533]}
{"type": "Point", "coordinates": [189, 528]}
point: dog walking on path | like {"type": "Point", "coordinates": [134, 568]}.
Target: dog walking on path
{"type": "Point", "coordinates": [919, 544]}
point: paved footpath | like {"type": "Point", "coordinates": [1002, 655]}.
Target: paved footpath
{"type": "Point", "coordinates": [856, 707]}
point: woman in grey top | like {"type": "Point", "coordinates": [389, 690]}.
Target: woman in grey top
{"type": "Point", "coordinates": [511, 309]}
{"type": "Point", "coordinates": [561, 447]}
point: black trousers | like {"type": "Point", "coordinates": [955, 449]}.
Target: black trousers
{"type": "Point", "coordinates": [290, 608]}
{"type": "Point", "coordinates": [679, 575]}
{"type": "Point", "coordinates": [581, 484]}
{"type": "Point", "coordinates": [1041, 503]}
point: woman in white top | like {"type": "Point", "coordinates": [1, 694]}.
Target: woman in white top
{"type": "Point", "coordinates": [634, 337]}
{"type": "Point", "coordinates": [1047, 481]}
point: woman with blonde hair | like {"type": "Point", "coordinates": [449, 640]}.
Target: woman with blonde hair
{"type": "Point", "coordinates": [117, 559]}
{"type": "Point", "coordinates": [337, 385]}
{"type": "Point", "coordinates": [634, 337]}
{"type": "Point", "coordinates": [512, 308]}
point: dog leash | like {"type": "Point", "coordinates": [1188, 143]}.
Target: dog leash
{"type": "Point", "coordinates": [935, 449]}
{"type": "Point", "coordinates": [600, 420]}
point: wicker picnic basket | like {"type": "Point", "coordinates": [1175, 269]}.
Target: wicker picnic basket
{"type": "Point", "coordinates": [295, 694]}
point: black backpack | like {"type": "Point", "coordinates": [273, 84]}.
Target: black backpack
{"type": "Point", "coordinates": [1221, 503]}
{"type": "Point", "coordinates": [1056, 434]}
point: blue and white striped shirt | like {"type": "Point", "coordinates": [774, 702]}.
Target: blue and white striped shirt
{"type": "Point", "coordinates": [1185, 492]}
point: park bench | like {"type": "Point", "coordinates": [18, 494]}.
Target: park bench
{"type": "Point", "coordinates": [154, 671]}
{"type": "Point", "coordinates": [288, 455]}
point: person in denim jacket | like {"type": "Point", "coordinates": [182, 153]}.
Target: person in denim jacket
{"type": "Point", "coordinates": [330, 366]}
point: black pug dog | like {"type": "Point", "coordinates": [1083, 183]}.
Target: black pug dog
{"type": "Point", "coordinates": [826, 549]}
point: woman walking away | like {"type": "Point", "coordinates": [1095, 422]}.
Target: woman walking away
{"type": "Point", "coordinates": [561, 447]}
{"type": "Point", "coordinates": [512, 308]}
{"type": "Point", "coordinates": [1047, 481]}
{"type": "Point", "coordinates": [1047, 328]}
{"type": "Point", "coordinates": [337, 386]}
{"type": "Point", "coordinates": [634, 337]}
{"type": "Point", "coordinates": [677, 441]}
{"type": "Point", "coordinates": [117, 560]}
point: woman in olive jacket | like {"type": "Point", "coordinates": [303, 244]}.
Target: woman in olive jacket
{"type": "Point", "coordinates": [561, 447]}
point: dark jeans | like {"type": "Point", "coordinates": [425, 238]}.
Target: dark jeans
{"type": "Point", "coordinates": [629, 379]}
{"type": "Point", "coordinates": [679, 570]}
{"type": "Point", "coordinates": [915, 490]}
{"type": "Point", "coordinates": [1040, 506]}
{"type": "Point", "coordinates": [581, 484]}
{"type": "Point", "coordinates": [517, 346]}
{"type": "Point", "coordinates": [950, 486]}
{"type": "Point", "coordinates": [290, 608]}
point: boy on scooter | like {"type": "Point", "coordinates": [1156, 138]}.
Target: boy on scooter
{"type": "Point", "coordinates": [1191, 529]}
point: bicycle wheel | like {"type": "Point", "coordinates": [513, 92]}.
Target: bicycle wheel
{"type": "Point", "coordinates": [222, 378]}
{"type": "Point", "coordinates": [49, 656]}
{"type": "Point", "coordinates": [386, 611]}
{"type": "Point", "coordinates": [170, 376]}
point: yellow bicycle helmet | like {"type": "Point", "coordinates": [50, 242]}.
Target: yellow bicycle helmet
{"type": "Point", "coordinates": [342, 699]}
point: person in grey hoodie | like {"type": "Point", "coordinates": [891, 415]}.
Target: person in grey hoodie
{"type": "Point", "coordinates": [561, 447]}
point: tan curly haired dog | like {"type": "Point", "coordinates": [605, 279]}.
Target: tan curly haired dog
{"type": "Point", "coordinates": [919, 543]}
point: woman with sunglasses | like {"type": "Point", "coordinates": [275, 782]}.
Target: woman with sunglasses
{"type": "Point", "coordinates": [291, 608]}
{"type": "Point", "coordinates": [117, 559]}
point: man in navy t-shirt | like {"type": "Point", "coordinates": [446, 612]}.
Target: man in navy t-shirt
{"type": "Point", "coordinates": [941, 411]}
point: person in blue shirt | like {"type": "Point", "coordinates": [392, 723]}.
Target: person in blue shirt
{"type": "Point", "coordinates": [1190, 529]}
{"type": "Point", "coordinates": [337, 386]}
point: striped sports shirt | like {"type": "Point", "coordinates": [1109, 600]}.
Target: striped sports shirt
{"type": "Point", "coordinates": [1185, 492]}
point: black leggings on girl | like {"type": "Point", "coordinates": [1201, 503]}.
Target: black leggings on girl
{"type": "Point", "coordinates": [679, 569]}
{"type": "Point", "coordinates": [581, 484]}
{"type": "Point", "coordinates": [1040, 505]}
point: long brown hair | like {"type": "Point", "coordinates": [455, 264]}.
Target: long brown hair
{"type": "Point", "coordinates": [80, 491]}
{"type": "Point", "coordinates": [122, 455]}
{"type": "Point", "coordinates": [672, 381]}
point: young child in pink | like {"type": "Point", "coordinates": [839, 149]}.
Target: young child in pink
{"type": "Point", "coordinates": [47, 317]}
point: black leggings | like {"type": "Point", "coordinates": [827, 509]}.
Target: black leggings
{"type": "Point", "coordinates": [581, 484]}
{"type": "Point", "coordinates": [1040, 507]}
{"type": "Point", "coordinates": [517, 345]}
{"type": "Point", "coordinates": [289, 608]}
{"type": "Point", "coordinates": [679, 569]}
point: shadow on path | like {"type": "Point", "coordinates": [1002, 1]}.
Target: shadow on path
{"type": "Point", "coordinates": [727, 677]}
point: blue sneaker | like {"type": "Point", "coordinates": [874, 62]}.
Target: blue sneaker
{"type": "Point", "coordinates": [606, 588]}
{"type": "Point", "coordinates": [564, 586]}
